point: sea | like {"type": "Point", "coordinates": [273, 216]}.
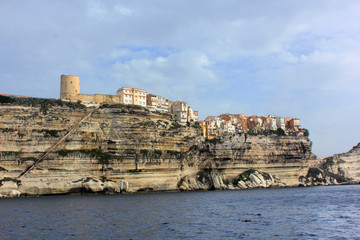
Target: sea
{"type": "Point", "coordinates": [325, 212]}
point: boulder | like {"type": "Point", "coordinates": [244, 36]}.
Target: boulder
{"type": "Point", "coordinates": [14, 193]}
{"type": "Point", "coordinates": [93, 186]}
{"type": "Point", "coordinates": [242, 185]}
{"type": "Point", "coordinates": [109, 187]}
{"type": "Point", "coordinates": [255, 178]}
{"type": "Point", "coordinates": [7, 187]}
{"type": "Point", "coordinates": [217, 181]}
{"type": "Point", "coordinates": [124, 186]}
{"type": "Point", "coordinates": [258, 179]}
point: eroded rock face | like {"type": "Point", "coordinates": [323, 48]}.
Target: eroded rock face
{"type": "Point", "coordinates": [203, 180]}
{"type": "Point", "coordinates": [318, 176]}
{"type": "Point", "coordinates": [134, 150]}
{"type": "Point", "coordinates": [211, 180]}
{"type": "Point", "coordinates": [337, 169]}
{"type": "Point", "coordinates": [255, 179]}
{"type": "Point", "coordinates": [346, 164]}
{"type": "Point", "coordinates": [234, 154]}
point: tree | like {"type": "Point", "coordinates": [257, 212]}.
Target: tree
{"type": "Point", "coordinates": [306, 132]}
{"type": "Point", "coordinates": [280, 132]}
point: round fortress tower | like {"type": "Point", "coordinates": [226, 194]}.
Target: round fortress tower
{"type": "Point", "coordinates": [70, 85]}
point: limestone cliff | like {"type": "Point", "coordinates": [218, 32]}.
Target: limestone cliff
{"type": "Point", "coordinates": [341, 168]}
{"type": "Point", "coordinates": [121, 148]}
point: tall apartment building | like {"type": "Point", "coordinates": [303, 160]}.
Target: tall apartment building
{"type": "Point", "coordinates": [157, 103]}
{"type": "Point", "coordinates": [280, 122]}
{"type": "Point", "coordinates": [133, 96]}
{"type": "Point", "coordinates": [183, 113]}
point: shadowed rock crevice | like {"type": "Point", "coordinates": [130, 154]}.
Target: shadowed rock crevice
{"type": "Point", "coordinates": [134, 150]}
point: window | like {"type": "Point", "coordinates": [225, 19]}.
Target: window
{"type": "Point", "coordinates": [126, 101]}
{"type": "Point", "coordinates": [129, 101]}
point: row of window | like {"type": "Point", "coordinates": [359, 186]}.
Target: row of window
{"type": "Point", "coordinates": [129, 96]}
{"type": "Point", "coordinates": [140, 102]}
{"type": "Point", "coordinates": [128, 91]}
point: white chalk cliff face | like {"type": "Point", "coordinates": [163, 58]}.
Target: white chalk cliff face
{"type": "Point", "coordinates": [341, 168]}
{"type": "Point", "coordinates": [128, 149]}
{"type": "Point", "coordinates": [345, 164]}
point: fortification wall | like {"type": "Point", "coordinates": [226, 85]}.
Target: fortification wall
{"type": "Point", "coordinates": [94, 99]}
{"type": "Point", "coordinates": [70, 91]}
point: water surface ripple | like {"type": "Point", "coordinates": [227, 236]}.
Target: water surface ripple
{"type": "Point", "coordinates": [331, 212]}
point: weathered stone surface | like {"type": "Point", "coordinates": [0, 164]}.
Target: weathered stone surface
{"type": "Point", "coordinates": [346, 164]}
{"type": "Point", "coordinates": [93, 186]}
{"type": "Point", "coordinates": [135, 150]}
{"type": "Point", "coordinates": [257, 179]}
{"type": "Point", "coordinates": [242, 185]}
{"type": "Point", "coordinates": [14, 193]}
{"type": "Point", "coordinates": [124, 186]}
{"type": "Point", "coordinates": [7, 187]}
{"type": "Point", "coordinates": [337, 169]}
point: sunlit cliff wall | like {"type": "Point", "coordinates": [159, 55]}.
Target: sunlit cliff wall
{"type": "Point", "coordinates": [129, 145]}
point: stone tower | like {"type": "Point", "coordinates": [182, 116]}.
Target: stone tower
{"type": "Point", "coordinates": [70, 86]}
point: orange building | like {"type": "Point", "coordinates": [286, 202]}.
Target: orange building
{"type": "Point", "coordinates": [133, 96]}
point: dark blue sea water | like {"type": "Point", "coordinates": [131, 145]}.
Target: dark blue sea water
{"type": "Point", "coordinates": [331, 212]}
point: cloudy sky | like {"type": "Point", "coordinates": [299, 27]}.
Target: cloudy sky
{"type": "Point", "coordinates": [289, 58]}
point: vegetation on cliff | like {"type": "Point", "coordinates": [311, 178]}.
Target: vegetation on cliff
{"type": "Point", "coordinates": [43, 103]}
{"type": "Point", "coordinates": [123, 143]}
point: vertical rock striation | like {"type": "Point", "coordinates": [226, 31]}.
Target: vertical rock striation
{"type": "Point", "coordinates": [128, 149]}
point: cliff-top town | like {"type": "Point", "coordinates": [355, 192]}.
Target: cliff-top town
{"type": "Point", "coordinates": [183, 113]}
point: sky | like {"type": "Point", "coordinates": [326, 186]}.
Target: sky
{"type": "Point", "coordinates": [291, 58]}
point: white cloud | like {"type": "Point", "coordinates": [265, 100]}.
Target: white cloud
{"type": "Point", "coordinates": [283, 57]}
{"type": "Point", "coordinates": [180, 76]}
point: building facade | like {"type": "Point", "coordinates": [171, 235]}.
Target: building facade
{"type": "Point", "coordinates": [183, 113]}
{"type": "Point", "coordinates": [239, 123]}
{"type": "Point", "coordinates": [133, 96]}
{"type": "Point", "coordinates": [157, 103]}
{"type": "Point", "coordinates": [70, 91]}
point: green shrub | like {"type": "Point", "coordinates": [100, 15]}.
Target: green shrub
{"type": "Point", "coordinates": [50, 133]}
{"type": "Point", "coordinates": [157, 153]}
{"type": "Point", "coordinates": [144, 152]}
{"type": "Point", "coordinates": [306, 132]}
{"type": "Point", "coordinates": [244, 176]}
{"type": "Point", "coordinates": [174, 154]}
{"type": "Point", "coordinates": [175, 125]}
{"type": "Point", "coordinates": [7, 99]}
{"type": "Point", "coordinates": [251, 132]}
{"type": "Point", "coordinates": [280, 132]}
{"type": "Point", "coordinates": [213, 141]}
{"type": "Point", "coordinates": [43, 109]}
{"type": "Point", "coordinates": [148, 124]}
{"type": "Point", "coordinates": [197, 125]}
{"type": "Point", "coordinates": [103, 178]}
{"type": "Point", "coordinates": [35, 102]}
{"type": "Point", "coordinates": [103, 158]}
